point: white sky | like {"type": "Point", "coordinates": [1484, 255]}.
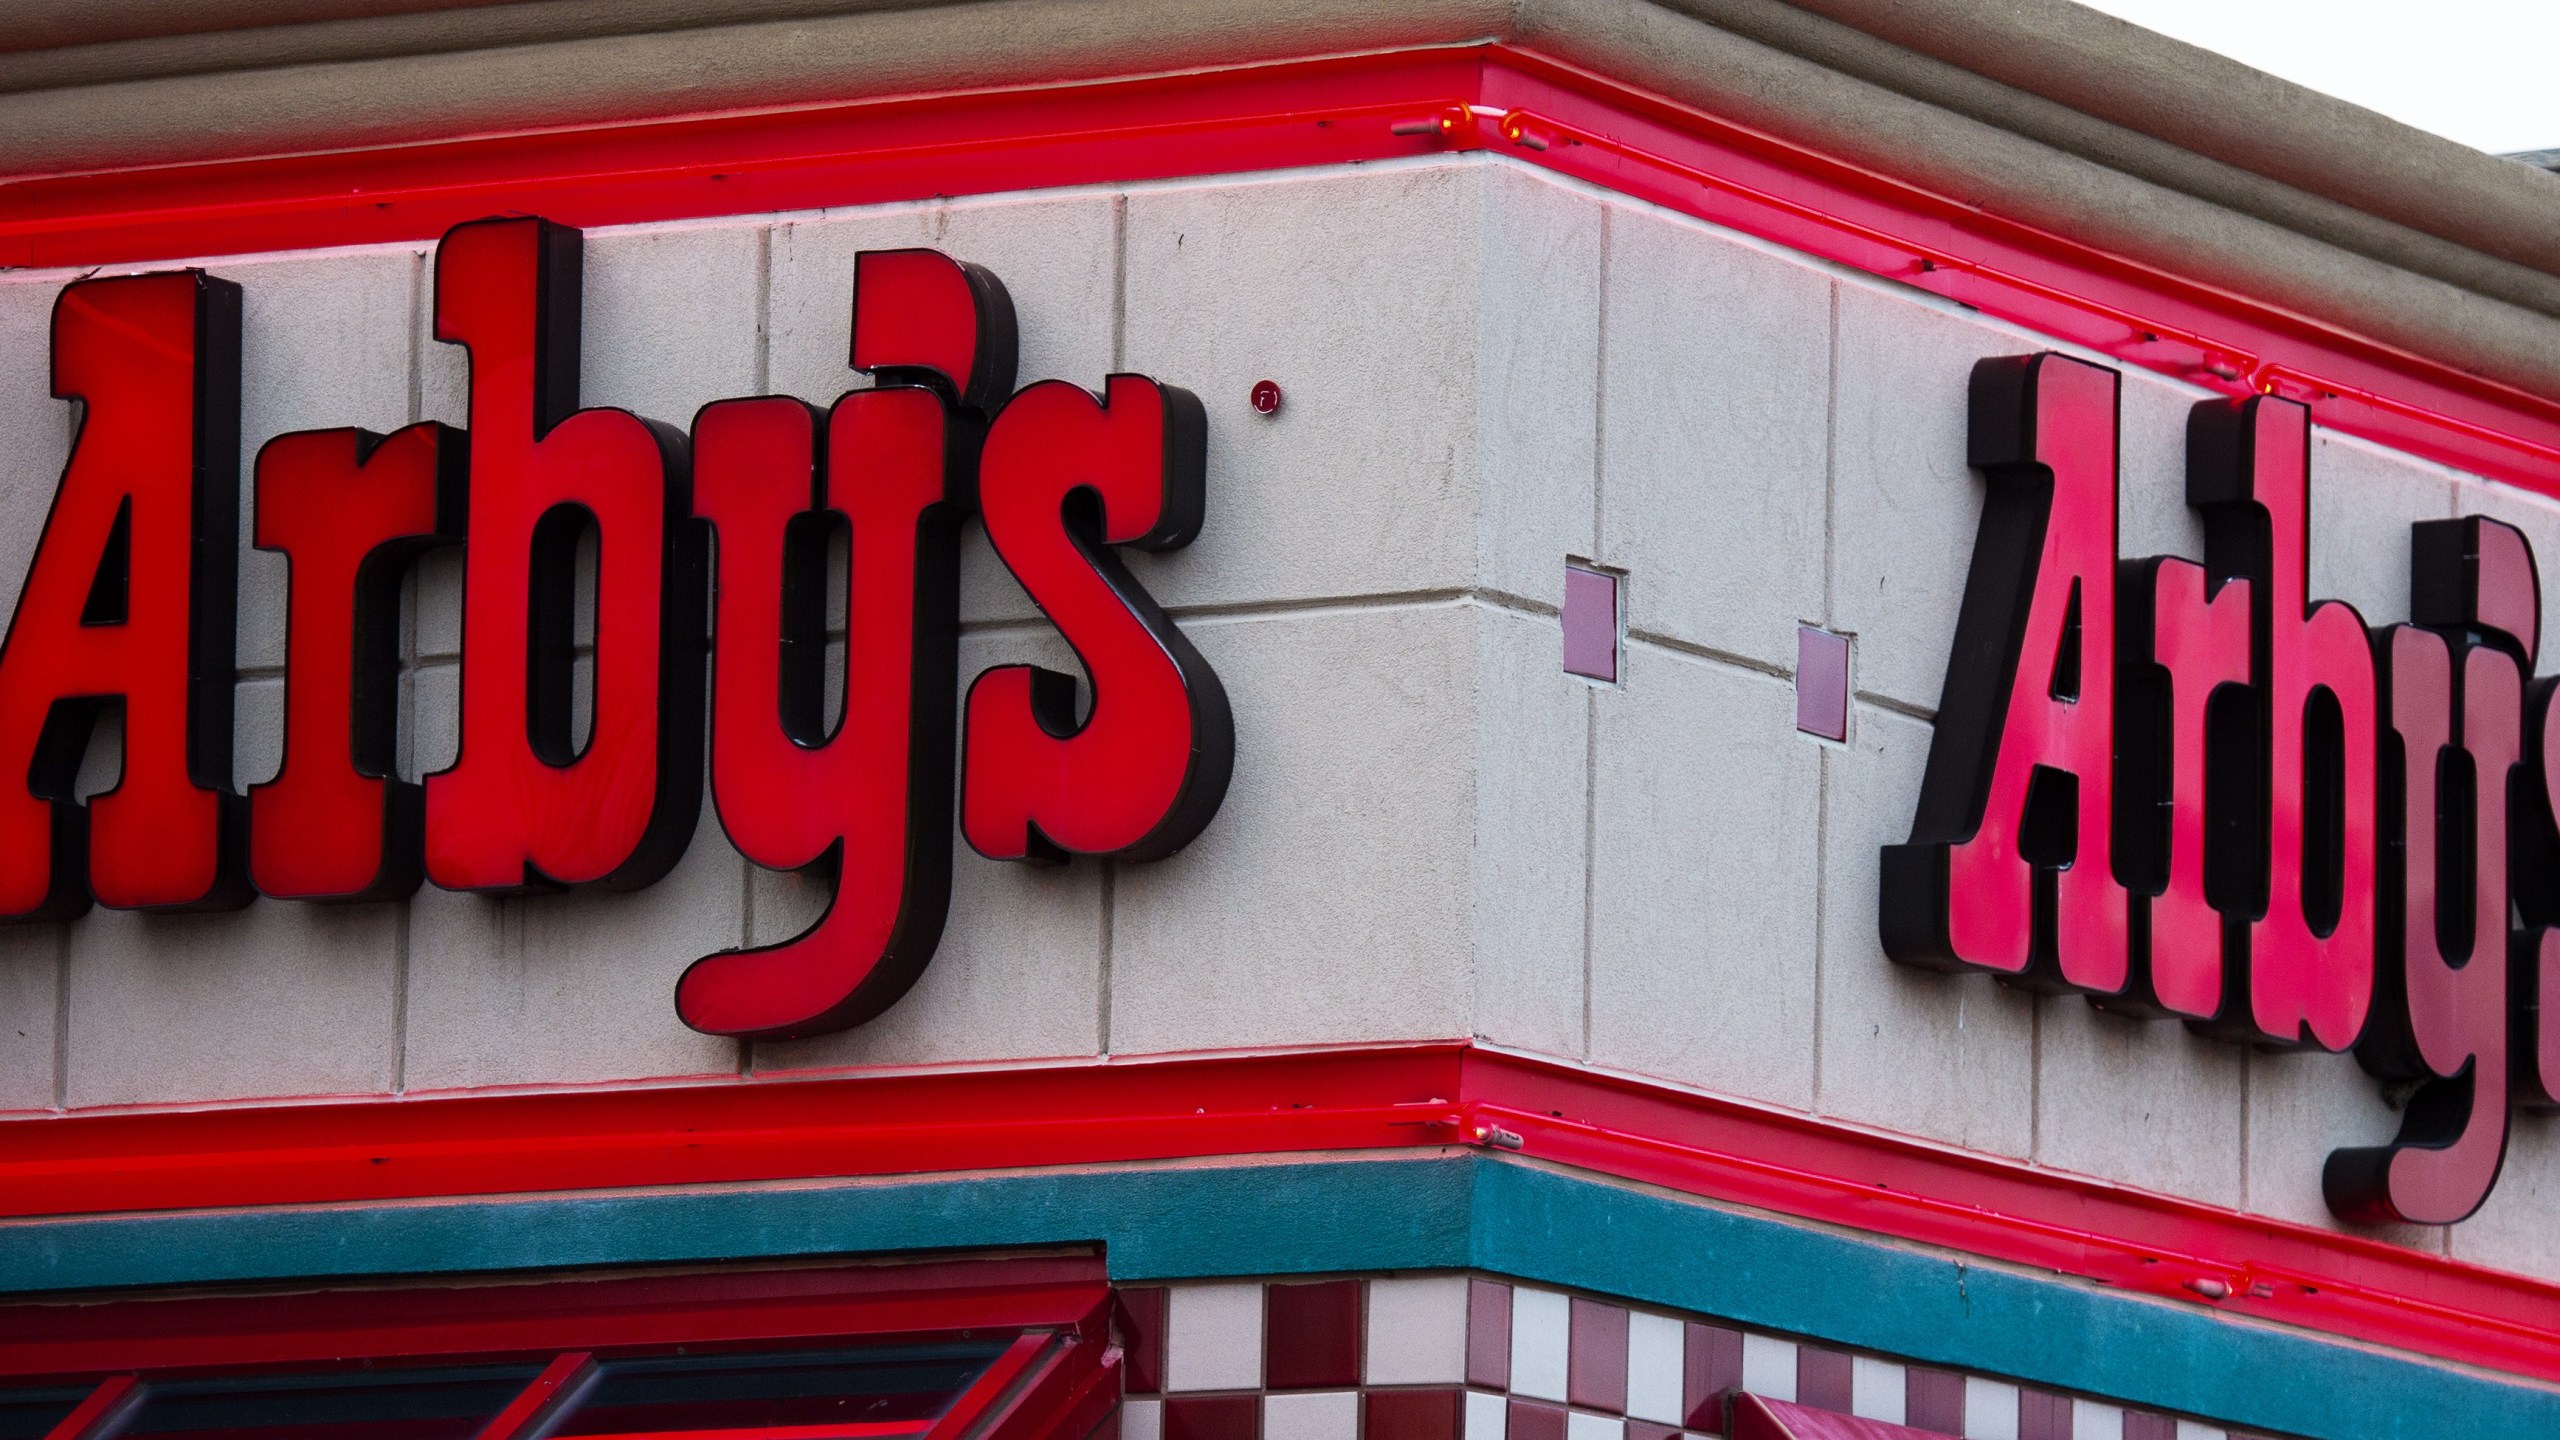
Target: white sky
{"type": "Point", "coordinates": [2484, 72]}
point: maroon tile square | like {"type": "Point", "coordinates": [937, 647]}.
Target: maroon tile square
{"type": "Point", "coordinates": [1934, 1400]}
{"type": "Point", "coordinates": [1823, 1378]}
{"type": "Point", "coordinates": [1139, 1316]}
{"type": "Point", "coordinates": [1531, 1420]}
{"type": "Point", "coordinates": [1643, 1430]}
{"type": "Point", "coordinates": [1489, 1334]}
{"type": "Point", "coordinates": [1822, 683]}
{"type": "Point", "coordinates": [1596, 1368]}
{"type": "Point", "coordinates": [1590, 623]}
{"type": "Point", "coordinates": [2141, 1425]}
{"type": "Point", "coordinates": [1710, 1369]}
{"type": "Point", "coordinates": [2043, 1415]}
{"type": "Point", "coordinates": [1311, 1335]}
{"type": "Point", "coordinates": [1413, 1414]}
{"type": "Point", "coordinates": [1213, 1417]}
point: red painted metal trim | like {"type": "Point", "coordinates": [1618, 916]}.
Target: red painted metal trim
{"type": "Point", "coordinates": [543, 1395]}
{"type": "Point", "coordinates": [97, 1415]}
{"type": "Point", "coordinates": [992, 1388]}
{"type": "Point", "coordinates": [1296, 113]}
{"type": "Point", "coordinates": [731, 1130]}
{"type": "Point", "coordinates": [864, 1431]}
{"type": "Point", "coordinates": [1409, 1097]}
{"type": "Point", "coordinates": [1050, 1296]}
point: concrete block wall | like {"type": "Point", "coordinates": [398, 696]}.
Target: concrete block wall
{"type": "Point", "coordinates": [1433, 831]}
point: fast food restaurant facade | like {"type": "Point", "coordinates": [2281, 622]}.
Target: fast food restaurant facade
{"type": "Point", "coordinates": [1582, 718]}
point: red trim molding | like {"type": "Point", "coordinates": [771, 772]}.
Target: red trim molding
{"type": "Point", "coordinates": [1055, 1380]}
{"type": "Point", "coordinates": [1385, 1098]}
{"type": "Point", "coordinates": [729, 1308]}
{"type": "Point", "coordinates": [1297, 113]}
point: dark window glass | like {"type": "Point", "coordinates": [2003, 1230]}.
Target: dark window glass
{"type": "Point", "coordinates": [876, 1384]}
{"type": "Point", "coordinates": [29, 1414]}
{"type": "Point", "coordinates": [439, 1404]}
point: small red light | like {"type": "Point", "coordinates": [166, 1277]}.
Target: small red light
{"type": "Point", "coordinates": [1266, 397]}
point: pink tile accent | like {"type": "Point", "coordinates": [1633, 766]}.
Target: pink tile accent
{"type": "Point", "coordinates": [1414, 1414]}
{"type": "Point", "coordinates": [1711, 1369]}
{"type": "Point", "coordinates": [1311, 1335]}
{"type": "Point", "coordinates": [1641, 1430]}
{"type": "Point", "coordinates": [1590, 623]}
{"type": "Point", "coordinates": [1933, 1400]}
{"type": "Point", "coordinates": [1535, 1420]}
{"type": "Point", "coordinates": [2139, 1425]}
{"type": "Point", "coordinates": [1822, 683]}
{"type": "Point", "coordinates": [1139, 1316]}
{"type": "Point", "coordinates": [1213, 1417]}
{"type": "Point", "coordinates": [1825, 1379]}
{"type": "Point", "coordinates": [1489, 1334]}
{"type": "Point", "coordinates": [2043, 1415]}
{"type": "Point", "coordinates": [1596, 1375]}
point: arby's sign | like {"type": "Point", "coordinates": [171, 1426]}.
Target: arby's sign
{"type": "Point", "coordinates": [2197, 792]}
{"type": "Point", "coordinates": [710, 605]}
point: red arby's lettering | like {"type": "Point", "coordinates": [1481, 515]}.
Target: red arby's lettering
{"type": "Point", "coordinates": [891, 468]}
{"type": "Point", "coordinates": [2314, 828]}
{"type": "Point", "coordinates": [524, 806]}
{"type": "Point", "coordinates": [2302, 969]}
{"type": "Point", "coordinates": [351, 512]}
{"type": "Point", "coordinates": [1064, 479]}
{"type": "Point", "coordinates": [2186, 665]}
{"type": "Point", "coordinates": [2010, 868]}
{"type": "Point", "coordinates": [130, 604]}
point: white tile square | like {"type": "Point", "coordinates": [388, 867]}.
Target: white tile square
{"type": "Point", "coordinates": [1877, 1390]}
{"type": "Point", "coordinates": [1323, 1415]}
{"type": "Point", "coordinates": [1655, 1359]}
{"type": "Point", "coordinates": [1990, 1409]}
{"type": "Point", "coordinates": [2091, 1420]}
{"type": "Point", "coordinates": [2198, 1430]}
{"type": "Point", "coordinates": [1541, 1338]}
{"type": "Point", "coordinates": [1418, 1330]}
{"type": "Point", "coordinates": [1141, 1420]}
{"type": "Point", "coordinates": [1213, 1337]}
{"type": "Point", "coordinates": [1769, 1366]}
{"type": "Point", "coordinates": [1488, 1416]}
{"type": "Point", "coordinates": [1578, 1426]}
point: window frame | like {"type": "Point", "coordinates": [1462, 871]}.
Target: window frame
{"type": "Point", "coordinates": [1057, 1378]}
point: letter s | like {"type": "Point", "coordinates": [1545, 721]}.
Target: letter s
{"type": "Point", "coordinates": [1062, 478]}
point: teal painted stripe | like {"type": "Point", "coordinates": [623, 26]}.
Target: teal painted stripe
{"type": "Point", "coordinates": [1155, 1223]}
{"type": "Point", "coordinates": [1861, 1294]}
{"type": "Point", "coordinates": [1314, 1217]}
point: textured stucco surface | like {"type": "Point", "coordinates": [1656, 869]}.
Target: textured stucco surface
{"type": "Point", "coordinates": [1433, 831]}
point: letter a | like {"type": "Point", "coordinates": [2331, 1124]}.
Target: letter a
{"type": "Point", "coordinates": [130, 600]}
{"type": "Point", "coordinates": [2009, 866]}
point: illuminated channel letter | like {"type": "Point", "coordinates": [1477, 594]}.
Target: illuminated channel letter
{"type": "Point", "coordinates": [351, 511]}
{"type": "Point", "coordinates": [2010, 863]}
{"type": "Point", "coordinates": [2186, 750]}
{"type": "Point", "coordinates": [2533, 970]}
{"type": "Point", "coordinates": [2305, 971]}
{"type": "Point", "coordinates": [1065, 477]}
{"type": "Point", "coordinates": [871, 802]}
{"type": "Point", "coordinates": [2449, 765]}
{"type": "Point", "coordinates": [523, 805]}
{"type": "Point", "coordinates": [130, 599]}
